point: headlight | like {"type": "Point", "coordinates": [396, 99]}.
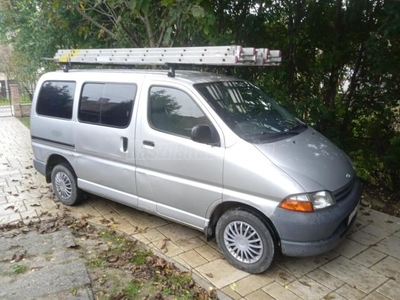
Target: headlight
{"type": "Point", "coordinates": [322, 199]}
{"type": "Point", "coordinates": [308, 202]}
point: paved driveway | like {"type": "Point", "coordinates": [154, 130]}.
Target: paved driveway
{"type": "Point", "coordinates": [365, 266]}
{"type": "Point", "coordinates": [5, 111]}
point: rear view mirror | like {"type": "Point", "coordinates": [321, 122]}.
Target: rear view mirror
{"type": "Point", "coordinates": [201, 134]}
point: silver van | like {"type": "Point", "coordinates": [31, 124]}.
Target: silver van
{"type": "Point", "coordinates": [209, 151]}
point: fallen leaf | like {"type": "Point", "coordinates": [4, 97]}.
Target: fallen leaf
{"type": "Point", "coordinates": [113, 259]}
{"type": "Point", "coordinates": [35, 205]}
{"type": "Point", "coordinates": [143, 230]}
{"type": "Point", "coordinates": [18, 256]}
{"type": "Point", "coordinates": [283, 276]}
{"type": "Point", "coordinates": [159, 262]}
{"type": "Point", "coordinates": [113, 220]}
{"type": "Point", "coordinates": [164, 244]}
{"type": "Point", "coordinates": [102, 281]}
{"type": "Point", "coordinates": [210, 275]}
{"type": "Point", "coordinates": [73, 246]}
{"type": "Point", "coordinates": [388, 221]}
{"type": "Point", "coordinates": [149, 260]}
{"type": "Point", "coordinates": [305, 283]}
{"type": "Point", "coordinates": [86, 216]}
{"type": "Point", "coordinates": [329, 296]}
{"type": "Point", "coordinates": [104, 221]}
{"type": "Point", "coordinates": [9, 207]}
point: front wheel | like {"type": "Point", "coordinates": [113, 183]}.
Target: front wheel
{"type": "Point", "coordinates": [65, 185]}
{"type": "Point", "coordinates": [245, 240]}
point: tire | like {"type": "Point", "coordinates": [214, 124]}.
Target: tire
{"type": "Point", "coordinates": [246, 241]}
{"type": "Point", "coordinates": [65, 185]}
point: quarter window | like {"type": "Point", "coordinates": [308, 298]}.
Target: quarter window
{"type": "Point", "coordinates": [56, 99]}
{"type": "Point", "coordinates": [173, 111]}
{"type": "Point", "coordinates": [107, 104]}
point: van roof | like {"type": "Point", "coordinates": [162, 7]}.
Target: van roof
{"type": "Point", "coordinates": [182, 75]}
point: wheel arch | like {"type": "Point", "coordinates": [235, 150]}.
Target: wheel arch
{"type": "Point", "coordinates": [54, 160]}
{"type": "Point", "coordinates": [232, 205]}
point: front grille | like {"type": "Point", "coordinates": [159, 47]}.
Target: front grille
{"type": "Point", "coordinates": [342, 193]}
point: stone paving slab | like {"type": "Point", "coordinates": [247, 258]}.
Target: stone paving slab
{"type": "Point", "coordinates": [366, 265]}
{"type": "Point", "coordinates": [48, 270]}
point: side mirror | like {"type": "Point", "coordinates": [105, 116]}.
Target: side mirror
{"type": "Point", "coordinates": [201, 134]}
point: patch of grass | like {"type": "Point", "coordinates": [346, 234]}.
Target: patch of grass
{"type": "Point", "coordinates": [74, 291]}
{"type": "Point", "coordinates": [132, 289]}
{"type": "Point", "coordinates": [4, 101]}
{"type": "Point", "coordinates": [112, 236]}
{"type": "Point", "coordinates": [48, 255]}
{"type": "Point", "coordinates": [25, 100]}
{"type": "Point", "coordinates": [175, 282]}
{"type": "Point", "coordinates": [19, 269]}
{"type": "Point", "coordinates": [97, 263]}
{"type": "Point", "coordinates": [180, 280]}
{"type": "Point", "coordinates": [25, 121]}
{"type": "Point", "coordinates": [139, 257]}
{"type": "Point", "coordinates": [120, 245]}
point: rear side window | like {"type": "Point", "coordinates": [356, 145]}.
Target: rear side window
{"type": "Point", "coordinates": [108, 104]}
{"type": "Point", "coordinates": [56, 99]}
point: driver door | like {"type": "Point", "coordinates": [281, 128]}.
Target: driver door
{"type": "Point", "coordinates": [178, 176]}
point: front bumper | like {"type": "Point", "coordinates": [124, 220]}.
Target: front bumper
{"type": "Point", "coordinates": [308, 234]}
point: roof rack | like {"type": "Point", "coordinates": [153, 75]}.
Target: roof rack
{"type": "Point", "coordinates": [205, 56]}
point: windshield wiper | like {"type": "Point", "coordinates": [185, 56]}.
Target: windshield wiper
{"type": "Point", "coordinates": [298, 128]}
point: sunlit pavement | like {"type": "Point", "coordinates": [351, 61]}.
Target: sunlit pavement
{"type": "Point", "coordinates": [365, 266]}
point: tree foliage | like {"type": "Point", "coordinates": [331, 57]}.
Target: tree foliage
{"type": "Point", "coordinates": [340, 64]}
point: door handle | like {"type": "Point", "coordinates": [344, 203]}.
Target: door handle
{"type": "Point", "coordinates": [124, 144]}
{"type": "Point", "coordinates": [148, 143]}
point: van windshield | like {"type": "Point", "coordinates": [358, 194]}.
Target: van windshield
{"type": "Point", "coordinates": [249, 112]}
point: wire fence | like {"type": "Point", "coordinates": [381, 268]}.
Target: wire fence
{"type": "Point", "coordinates": [4, 101]}
{"type": "Point", "coordinates": [25, 97]}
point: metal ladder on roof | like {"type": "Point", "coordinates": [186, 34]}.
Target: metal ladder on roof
{"type": "Point", "coordinates": [199, 56]}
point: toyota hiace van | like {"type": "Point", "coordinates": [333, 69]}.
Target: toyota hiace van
{"type": "Point", "coordinates": [209, 151]}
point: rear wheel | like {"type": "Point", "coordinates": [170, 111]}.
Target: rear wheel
{"type": "Point", "coordinates": [245, 240]}
{"type": "Point", "coordinates": [65, 185]}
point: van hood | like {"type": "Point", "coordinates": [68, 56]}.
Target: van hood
{"type": "Point", "coordinates": [311, 160]}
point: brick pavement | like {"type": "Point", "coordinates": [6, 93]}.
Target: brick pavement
{"type": "Point", "coordinates": [365, 266]}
